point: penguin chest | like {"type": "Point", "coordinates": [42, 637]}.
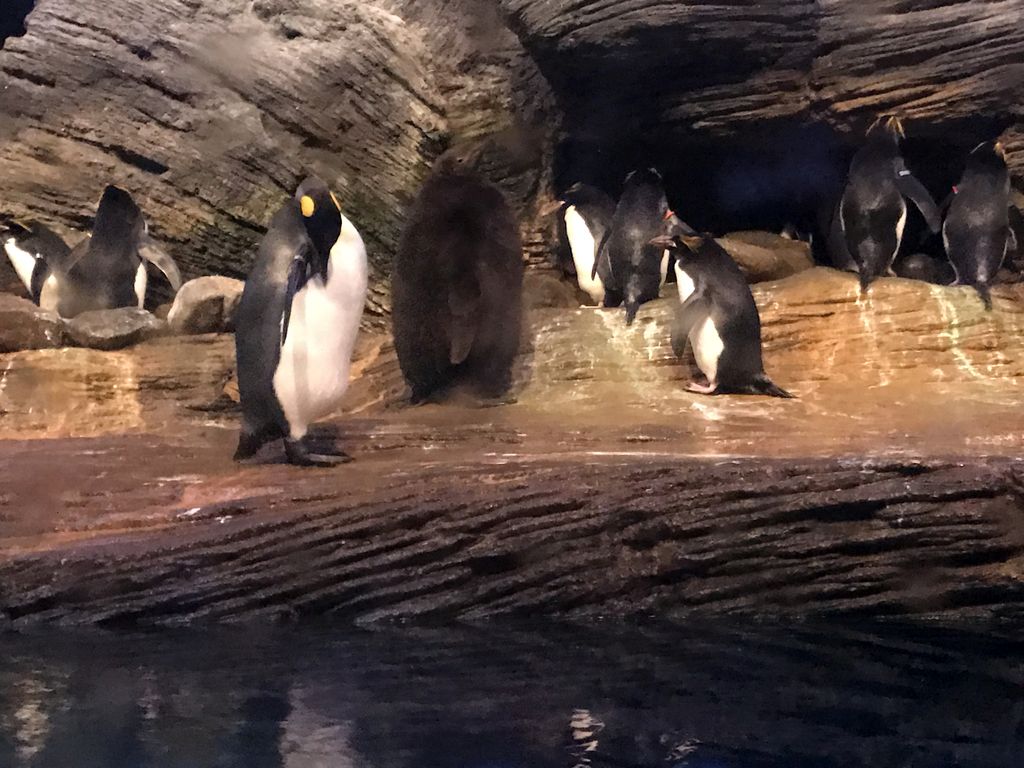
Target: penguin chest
{"type": "Point", "coordinates": [684, 283]}
{"type": "Point", "coordinates": [22, 261]}
{"type": "Point", "coordinates": [313, 371]}
{"type": "Point", "coordinates": [707, 348]}
{"type": "Point", "coordinates": [583, 245]}
{"type": "Point", "coordinates": [141, 279]}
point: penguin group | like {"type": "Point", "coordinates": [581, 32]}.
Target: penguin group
{"type": "Point", "coordinates": [871, 215]}
{"type": "Point", "coordinates": [106, 270]}
{"type": "Point", "coordinates": [458, 273]}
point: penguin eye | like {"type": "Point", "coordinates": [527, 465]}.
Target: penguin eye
{"type": "Point", "coordinates": [308, 206]}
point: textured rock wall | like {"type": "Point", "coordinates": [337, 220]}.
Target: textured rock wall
{"type": "Point", "coordinates": [210, 112]}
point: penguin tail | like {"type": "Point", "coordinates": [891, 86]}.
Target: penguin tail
{"type": "Point", "coordinates": [762, 385]}
{"type": "Point", "coordinates": [865, 281]}
{"type": "Point", "coordinates": [985, 293]}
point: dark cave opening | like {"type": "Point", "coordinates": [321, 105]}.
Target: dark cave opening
{"type": "Point", "coordinates": [788, 174]}
{"type": "Point", "coordinates": [12, 19]}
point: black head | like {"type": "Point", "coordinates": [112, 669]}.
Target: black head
{"type": "Point", "coordinates": [680, 244]}
{"type": "Point", "coordinates": [886, 131]}
{"type": "Point", "coordinates": [644, 176]}
{"type": "Point", "coordinates": [987, 156]}
{"type": "Point", "coordinates": [321, 215]}
{"type": "Point", "coordinates": [119, 224]}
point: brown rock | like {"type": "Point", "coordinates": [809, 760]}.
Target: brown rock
{"type": "Point", "coordinates": [23, 325]}
{"type": "Point", "coordinates": [206, 305]}
{"type": "Point", "coordinates": [764, 256]}
{"type": "Point", "coordinates": [543, 289]}
{"type": "Point", "coordinates": [112, 328]}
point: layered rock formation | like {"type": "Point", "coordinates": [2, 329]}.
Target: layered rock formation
{"type": "Point", "coordinates": [894, 485]}
{"type": "Point", "coordinates": [210, 112]}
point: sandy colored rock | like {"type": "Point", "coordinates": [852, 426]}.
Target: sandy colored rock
{"type": "Point", "coordinates": [206, 305]}
{"type": "Point", "coordinates": [764, 256]}
{"type": "Point", "coordinates": [108, 329]}
{"type": "Point", "coordinates": [23, 325]}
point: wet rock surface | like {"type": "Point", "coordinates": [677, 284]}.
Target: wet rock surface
{"type": "Point", "coordinates": [605, 489]}
{"type": "Point", "coordinates": [206, 305]}
{"type": "Point", "coordinates": [23, 325]}
{"type": "Point", "coordinates": [109, 329]}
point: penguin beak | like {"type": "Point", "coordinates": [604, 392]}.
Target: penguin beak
{"type": "Point", "coordinates": [159, 258]}
{"type": "Point", "coordinates": [549, 208]}
{"type": "Point", "coordinates": [999, 149]}
{"type": "Point", "coordinates": [663, 241]}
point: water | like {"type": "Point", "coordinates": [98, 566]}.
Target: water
{"type": "Point", "coordinates": [619, 696]}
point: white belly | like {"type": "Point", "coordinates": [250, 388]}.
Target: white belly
{"type": "Point", "coordinates": [49, 294]}
{"type": "Point", "coordinates": [900, 225]}
{"type": "Point", "coordinates": [313, 372]}
{"type": "Point", "coordinates": [584, 252]}
{"type": "Point", "coordinates": [707, 348]}
{"type": "Point", "coordinates": [141, 278]}
{"type": "Point", "coordinates": [664, 266]}
{"type": "Point", "coordinates": [22, 261]}
{"type": "Point", "coordinates": [684, 284]}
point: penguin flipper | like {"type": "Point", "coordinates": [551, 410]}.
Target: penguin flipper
{"type": "Point", "coordinates": [298, 274]}
{"type": "Point", "coordinates": [464, 305]}
{"type": "Point", "coordinates": [914, 190]}
{"type": "Point", "coordinates": [692, 311]}
{"type": "Point", "coordinates": [160, 259]}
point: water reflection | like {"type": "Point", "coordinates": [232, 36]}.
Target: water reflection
{"type": "Point", "coordinates": [573, 697]}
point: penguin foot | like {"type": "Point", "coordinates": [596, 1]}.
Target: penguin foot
{"type": "Point", "coordinates": [705, 388]}
{"type": "Point", "coordinates": [300, 457]}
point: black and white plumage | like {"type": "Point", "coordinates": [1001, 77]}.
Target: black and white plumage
{"type": "Point", "coordinates": [869, 220]}
{"type": "Point", "coordinates": [976, 231]}
{"type": "Point", "coordinates": [635, 267]}
{"type": "Point", "coordinates": [297, 322]}
{"type": "Point", "coordinates": [717, 317]}
{"type": "Point", "coordinates": [457, 285]}
{"type": "Point", "coordinates": [106, 270]}
{"type": "Point", "coordinates": [584, 218]}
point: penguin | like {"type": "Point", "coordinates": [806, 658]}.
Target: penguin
{"type": "Point", "coordinates": [457, 285]}
{"type": "Point", "coordinates": [104, 271]}
{"type": "Point", "coordinates": [296, 323]}
{"type": "Point", "coordinates": [35, 250]}
{"type": "Point", "coordinates": [636, 268]}
{"type": "Point", "coordinates": [868, 224]}
{"type": "Point", "coordinates": [718, 316]}
{"type": "Point", "coordinates": [976, 231]}
{"type": "Point", "coordinates": [585, 216]}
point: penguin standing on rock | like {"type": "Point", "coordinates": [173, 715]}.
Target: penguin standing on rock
{"type": "Point", "coordinates": [636, 266]}
{"type": "Point", "coordinates": [105, 271]}
{"type": "Point", "coordinates": [584, 218]}
{"type": "Point", "coordinates": [296, 323]}
{"type": "Point", "coordinates": [457, 285]}
{"type": "Point", "coordinates": [977, 231]}
{"type": "Point", "coordinates": [871, 214]}
{"type": "Point", "coordinates": [718, 316]}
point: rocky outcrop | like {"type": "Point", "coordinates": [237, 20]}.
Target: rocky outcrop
{"type": "Point", "coordinates": [108, 329]}
{"type": "Point", "coordinates": [764, 256]}
{"type": "Point", "coordinates": [893, 488]}
{"type": "Point", "coordinates": [23, 325]}
{"type": "Point", "coordinates": [206, 305]}
{"type": "Point", "coordinates": [210, 113]}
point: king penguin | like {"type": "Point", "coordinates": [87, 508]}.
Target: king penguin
{"type": "Point", "coordinates": [977, 231]}
{"type": "Point", "coordinates": [457, 285]}
{"type": "Point", "coordinates": [717, 316]}
{"type": "Point", "coordinates": [871, 214]}
{"type": "Point", "coordinates": [585, 216]}
{"type": "Point", "coordinates": [296, 323]}
{"type": "Point", "coordinates": [636, 268]}
{"type": "Point", "coordinates": [104, 271]}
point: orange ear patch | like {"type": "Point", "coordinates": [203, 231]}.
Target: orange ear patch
{"type": "Point", "coordinates": [307, 205]}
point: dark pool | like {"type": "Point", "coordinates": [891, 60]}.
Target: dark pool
{"type": "Point", "coordinates": [706, 696]}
